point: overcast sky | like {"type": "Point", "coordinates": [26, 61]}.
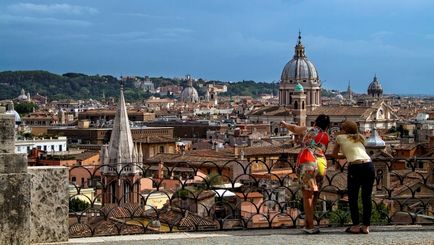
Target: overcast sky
{"type": "Point", "coordinates": [229, 40]}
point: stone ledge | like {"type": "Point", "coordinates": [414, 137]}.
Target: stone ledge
{"type": "Point", "coordinates": [380, 235]}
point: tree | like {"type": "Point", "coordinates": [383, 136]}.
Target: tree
{"type": "Point", "coordinates": [77, 205]}
{"type": "Point", "coordinates": [25, 107]}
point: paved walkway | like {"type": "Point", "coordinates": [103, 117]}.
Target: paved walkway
{"type": "Point", "coordinates": [379, 235]}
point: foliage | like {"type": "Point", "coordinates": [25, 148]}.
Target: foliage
{"type": "Point", "coordinates": [214, 179]}
{"type": "Point", "coordinates": [81, 86]}
{"type": "Point", "coordinates": [342, 215]}
{"type": "Point", "coordinates": [68, 85]}
{"type": "Point", "coordinates": [25, 107]}
{"type": "Point", "coordinates": [251, 88]}
{"type": "Point", "coordinates": [77, 205]}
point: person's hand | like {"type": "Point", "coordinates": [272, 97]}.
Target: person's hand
{"type": "Point", "coordinates": [282, 124]}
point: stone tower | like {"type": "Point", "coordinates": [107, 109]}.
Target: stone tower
{"type": "Point", "coordinates": [299, 105]}
{"type": "Point", "coordinates": [349, 92]}
{"type": "Point", "coordinates": [120, 172]}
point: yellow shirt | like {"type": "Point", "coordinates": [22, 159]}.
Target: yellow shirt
{"type": "Point", "coordinates": [352, 150]}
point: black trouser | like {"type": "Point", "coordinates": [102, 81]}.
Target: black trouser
{"type": "Point", "coordinates": [360, 175]}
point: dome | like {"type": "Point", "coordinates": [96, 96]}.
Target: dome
{"type": "Point", "coordinates": [375, 87]}
{"type": "Point", "coordinates": [298, 88]}
{"type": "Point", "coordinates": [11, 111]}
{"type": "Point", "coordinates": [189, 94]}
{"type": "Point", "coordinates": [16, 115]}
{"type": "Point", "coordinates": [23, 95]}
{"type": "Point", "coordinates": [299, 68]}
{"type": "Point", "coordinates": [339, 97]}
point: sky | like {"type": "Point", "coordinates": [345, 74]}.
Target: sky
{"type": "Point", "coordinates": [228, 40]}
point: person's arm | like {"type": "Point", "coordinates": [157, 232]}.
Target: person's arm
{"type": "Point", "coordinates": [293, 128]}
{"type": "Point", "coordinates": [335, 152]}
{"type": "Point", "coordinates": [335, 155]}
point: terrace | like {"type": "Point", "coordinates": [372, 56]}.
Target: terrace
{"type": "Point", "coordinates": [234, 200]}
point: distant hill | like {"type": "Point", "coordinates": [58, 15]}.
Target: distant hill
{"type": "Point", "coordinates": [68, 85]}
{"type": "Point", "coordinates": [82, 86]}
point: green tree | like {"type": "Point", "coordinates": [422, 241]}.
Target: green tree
{"type": "Point", "coordinates": [342, 215]}
{"type": "Point", "coordinates": [25, 107]}
{"type": "Point", "coordinates": [77, 205]}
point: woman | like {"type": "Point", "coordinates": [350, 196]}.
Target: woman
{"type": "Point", "coordinates": [361, 173]}
{"type": "Point", "coordinates": [311, 164]}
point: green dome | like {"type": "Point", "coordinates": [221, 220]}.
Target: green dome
{"type": "Point", "coordinates": [298, 88]}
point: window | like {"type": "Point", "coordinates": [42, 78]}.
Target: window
{"type": "Point", "coordinates": [45, 148]}
{"type": "Point", "coordinates": [73, 179]}
{"type": "Point", "coordinates": [60, 147]}
{"type": "Point", "coordinates": [162, 149]}
{"type": "Point", "coordinates": [52, 147]}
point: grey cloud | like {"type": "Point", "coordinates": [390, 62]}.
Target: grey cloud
{"type": "Point", "coordinates": [150, 16]}
{"type": "Point", "coordinates": [7, 19]}
{"type": "Point", "coordinates": [56, 8]}
{"type": "Point", "coordinates": [363, 47]}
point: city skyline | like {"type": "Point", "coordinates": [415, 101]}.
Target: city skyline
{"type": "Point", "coordinates": [224, 40]}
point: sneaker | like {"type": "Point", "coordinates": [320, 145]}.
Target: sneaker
{"type": "Point", "coordinates": [311, 231]}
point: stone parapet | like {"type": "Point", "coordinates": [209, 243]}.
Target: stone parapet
{"type": "Point", "coordinates": [49, 204]}
{"type": "Point", "coordinates": [14, 187]}
{"type": "Point", "coordinates": [11, 163]}
{"type": "Point", "coordinates": [14, 208]}
{"type": "Point", "coordinates": [7, 133]}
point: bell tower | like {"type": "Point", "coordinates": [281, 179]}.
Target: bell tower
{"type": "Point", "coordinates": [299, 105]}
{"type": "Point", "coordinates": [120, 174]}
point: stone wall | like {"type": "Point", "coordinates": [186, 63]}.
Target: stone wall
{"type": "Point", "coordinates": [14, 188]}
{"type": "Point", "coordinates": [14, 200]}
{"type": "Point", "coordinates": [49, 204]}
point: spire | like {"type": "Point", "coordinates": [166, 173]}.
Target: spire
{"type": "Point", "coordinates": [121, 146]}
{"type": "Point", "coordinates": [349, 92]}
{"type": "Point", "coordinates": [299, 48]}
{"type": "Point", "coordinates": [299, 37]}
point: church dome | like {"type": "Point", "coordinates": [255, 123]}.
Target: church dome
{"type": "Point", "coordinates": [375, 88]}
{"type": "Point", "coordinates": [23, 95]}
{"type": "Point", "coordinates": [189, 94]}
{"type": "Point", "coordinates": [339, 97]}
{"type": "Point", "coordinates": [299, 68]}
{"type": "Point", "coordinates": [11, 111]}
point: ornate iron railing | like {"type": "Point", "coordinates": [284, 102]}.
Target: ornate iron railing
{"type": "Point", "coordinates": [158, 197]}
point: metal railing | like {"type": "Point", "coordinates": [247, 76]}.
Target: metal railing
{"type": "Point", "coordinates": [191, 196]}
